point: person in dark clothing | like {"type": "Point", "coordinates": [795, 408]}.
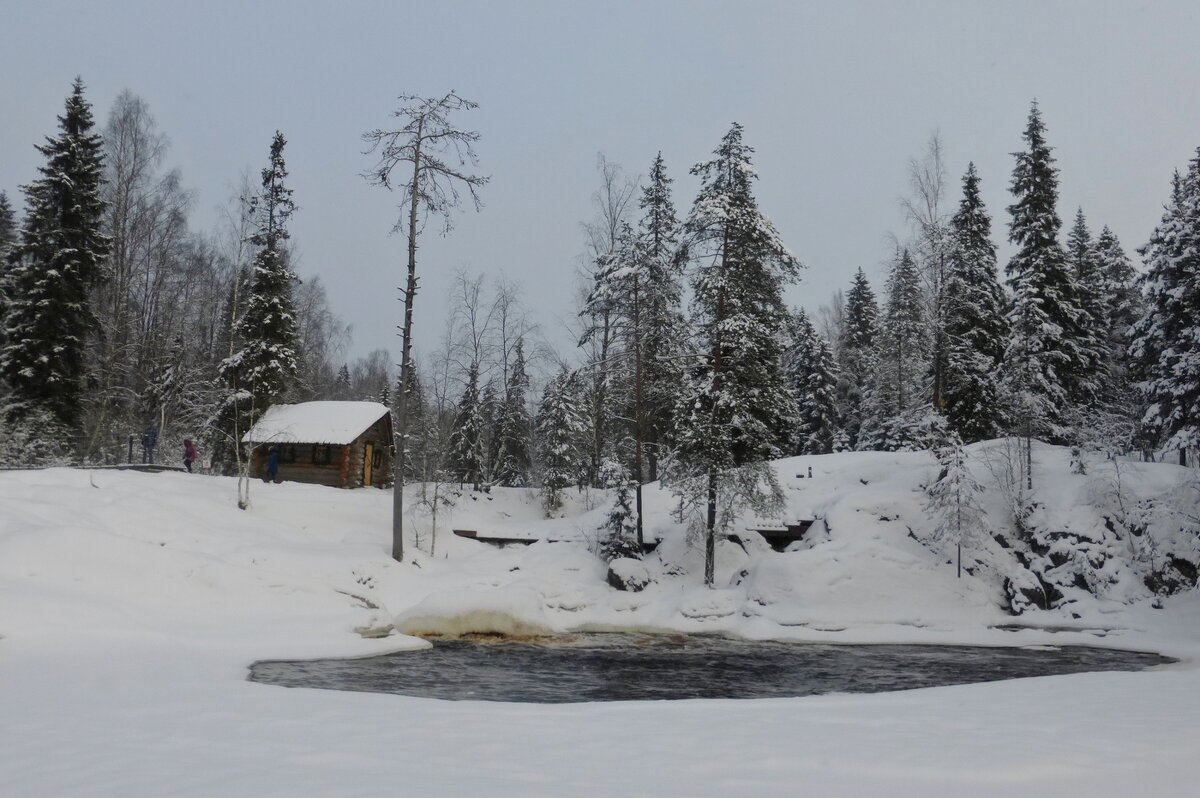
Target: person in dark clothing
{"type": "Point", "coordinates": [189, 453]}
{"type": "Point", "coordinates": [272, 464]}
{"type": "Point", "coordinates": [149, 441]}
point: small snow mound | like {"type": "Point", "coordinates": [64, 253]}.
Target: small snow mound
{"type": "Point", "coordinates": [711, 604]}
{"type": "Point", "coordinates": [378, 624]}
{"type": "Point", "coordinates": [509, 612]}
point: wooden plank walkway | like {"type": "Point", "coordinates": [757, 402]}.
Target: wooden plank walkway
{"type": "Point", "coordinates": [145, 467]}
{"type": "Point", "coordinates": [502, 540]}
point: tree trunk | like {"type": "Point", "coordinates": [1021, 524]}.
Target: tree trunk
{"type": "Point", "coordinates": [401, 431]}
{"type": "Point", "coordinates": [639, 425]}
{"type": "Point", "coordinates": [710, 532]}
{"type": "Point", "coordinates": [710, 537]}
{"type": "Point", "coordinates": [1028, 453]}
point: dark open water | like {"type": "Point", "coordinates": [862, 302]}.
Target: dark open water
{"type": "Point", "coordinates": [628, 667]}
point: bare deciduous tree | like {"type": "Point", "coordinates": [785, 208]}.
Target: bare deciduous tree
{"type": "Point", "coordinates": [438, 154]}
{"type": "Point", "coordinates": [925, 210]}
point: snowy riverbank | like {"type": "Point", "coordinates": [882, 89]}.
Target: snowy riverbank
{"type": "Point", "coordinates": [131, 605]}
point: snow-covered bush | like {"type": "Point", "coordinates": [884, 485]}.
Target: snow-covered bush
{"type": "Point", "coordinates": [36, 440]}
{"type": "Point", "coordinates": [953, 502]}
{"type": "Point", "coordinates": [618, 535]}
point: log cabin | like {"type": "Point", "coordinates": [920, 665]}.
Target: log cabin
{"type": "Point", "coordinates": [340, 444]}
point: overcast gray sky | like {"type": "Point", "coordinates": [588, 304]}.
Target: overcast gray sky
{"type": "Point", "coordinates": [836, 98]}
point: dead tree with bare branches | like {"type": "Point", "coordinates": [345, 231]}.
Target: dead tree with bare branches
{"type": "Point", "coordinates": [438, 154]}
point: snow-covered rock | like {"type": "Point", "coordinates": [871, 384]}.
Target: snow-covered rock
{"type": "Point", "coordinates": [626, 573]}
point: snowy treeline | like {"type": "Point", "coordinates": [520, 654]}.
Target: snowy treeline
{"type": "Point", "coordinates": [120, 317]}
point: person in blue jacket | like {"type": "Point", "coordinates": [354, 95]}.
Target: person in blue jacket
{"type": "Point", "coordinates": [272, 464]}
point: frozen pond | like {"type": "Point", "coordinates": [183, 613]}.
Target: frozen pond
{"type": "Point", "coordinates": [629, 667]}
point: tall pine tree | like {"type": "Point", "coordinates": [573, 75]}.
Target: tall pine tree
{"type": "Point", "coordinates": [8, 239]}
{"type": "Point", "coordinates": [513, 426]}
{"type": "Point", "coordinates": [662, 348]}
{"type": "Point", "coordinates": [637, 295]}
{"type": "Point", "coordinates": [736, 412]}
{"type": "Point", "coordinates": [1123, 306]}
{"type": "Point", "coordinates": [1045, 361]}
{"type": "Point", "coordinates": [1084, 264]}
{"type": "Point", "coordinates": [812, 378]}
{"type": "Point", "coordinates": [260, 372]}
{"type": "Point", "coordinates": [897, 406]}
{"type": "Point", "coordinates": [8, 226]}
{"type": "Point", "coordinates": [974, 321]}
{"type": "Point", "coordinates": [466, 441]}
{"type": "Point", "coordinates": [48, 320]}
{"type": "Point", "coordinates": [559, 432]}
{"type": "Point", "coordinates": [1166, 340]}
{"type": "Point", "coordinates": [857, 353]}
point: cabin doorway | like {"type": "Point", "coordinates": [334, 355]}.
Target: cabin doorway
{"type": "Point", "coordinates": [368, 463]}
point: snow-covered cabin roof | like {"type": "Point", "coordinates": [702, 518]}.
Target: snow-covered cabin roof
{"type": "Point", "coordinates": [315, 422]}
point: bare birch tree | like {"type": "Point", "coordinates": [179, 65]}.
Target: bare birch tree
{"type": "Point", "coordinates": [925, 209]}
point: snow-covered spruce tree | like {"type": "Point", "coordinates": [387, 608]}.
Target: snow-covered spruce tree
{"type": "Point", "coordinates": [953, 502]}
{"type": "Point", "coordinates": [897, 406]}
{"type": "Point", "coordinates": [619, 534]}
{"type": "Point", "coordinates": [1123, 306]}
{"type": "Point", "coordinates": [974, 321]}
{"type": "Point", "coordinates": [664, 329]}
{"type": "Point", "coordinates": [1084, 264]}
{"type": "Point", "coordinates": [513, 426]}
{"type": "Point", "coordinates": [1044, 368]}
{"type": "Point", "coordinates": [8, 239]}
{"type": "Point", "coordinates": [613, 313]}
{"type": "Point", "coordinates": [1166, 340]}
{"type": "Point", "coordinates": [812, 378]}
{"type": "Point", "coordinates": [857, 354]}
{"type": "Point", "coordinates": [736, 410]}
{"type": "Point", "coordinates": [466, 442]}
{"type": "Point", "coordinates": [35, 440]}
{"type": "Point", "coordinates": [636, 295]}
{"type": "Point", "coordinates": [607, 376]}
{"type": "Point", "coordinates": [1119, 279]}
{"type": "Point", "coordinates": [48, 318]}
{"type": "Point", "coordinates": [8, 227]}
{"type": "Point", "coordinates": [489, 440]}
{"type": "Point", "coordinates": [259, 373]}
{"type": "Point", "coordinates": [341, 384]}
{"type": "Point", "coordinates": [559, 430]}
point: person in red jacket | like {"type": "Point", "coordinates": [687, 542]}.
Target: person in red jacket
{"type": "Point", "coordinates": [189, 453]}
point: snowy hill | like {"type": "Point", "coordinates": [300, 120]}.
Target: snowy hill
{"type": "Point", "coordinates": [1076, 544]}
{"type": "Point", "coordinates": [176, 543]}
{"type": "Point", "coordinates": [131, 605]}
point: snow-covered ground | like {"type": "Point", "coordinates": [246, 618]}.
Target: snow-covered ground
{"type": "Point", "coordinates": [131, 605]}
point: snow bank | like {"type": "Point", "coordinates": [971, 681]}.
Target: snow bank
{"type": "Point", "coordinates": [131, 605]}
